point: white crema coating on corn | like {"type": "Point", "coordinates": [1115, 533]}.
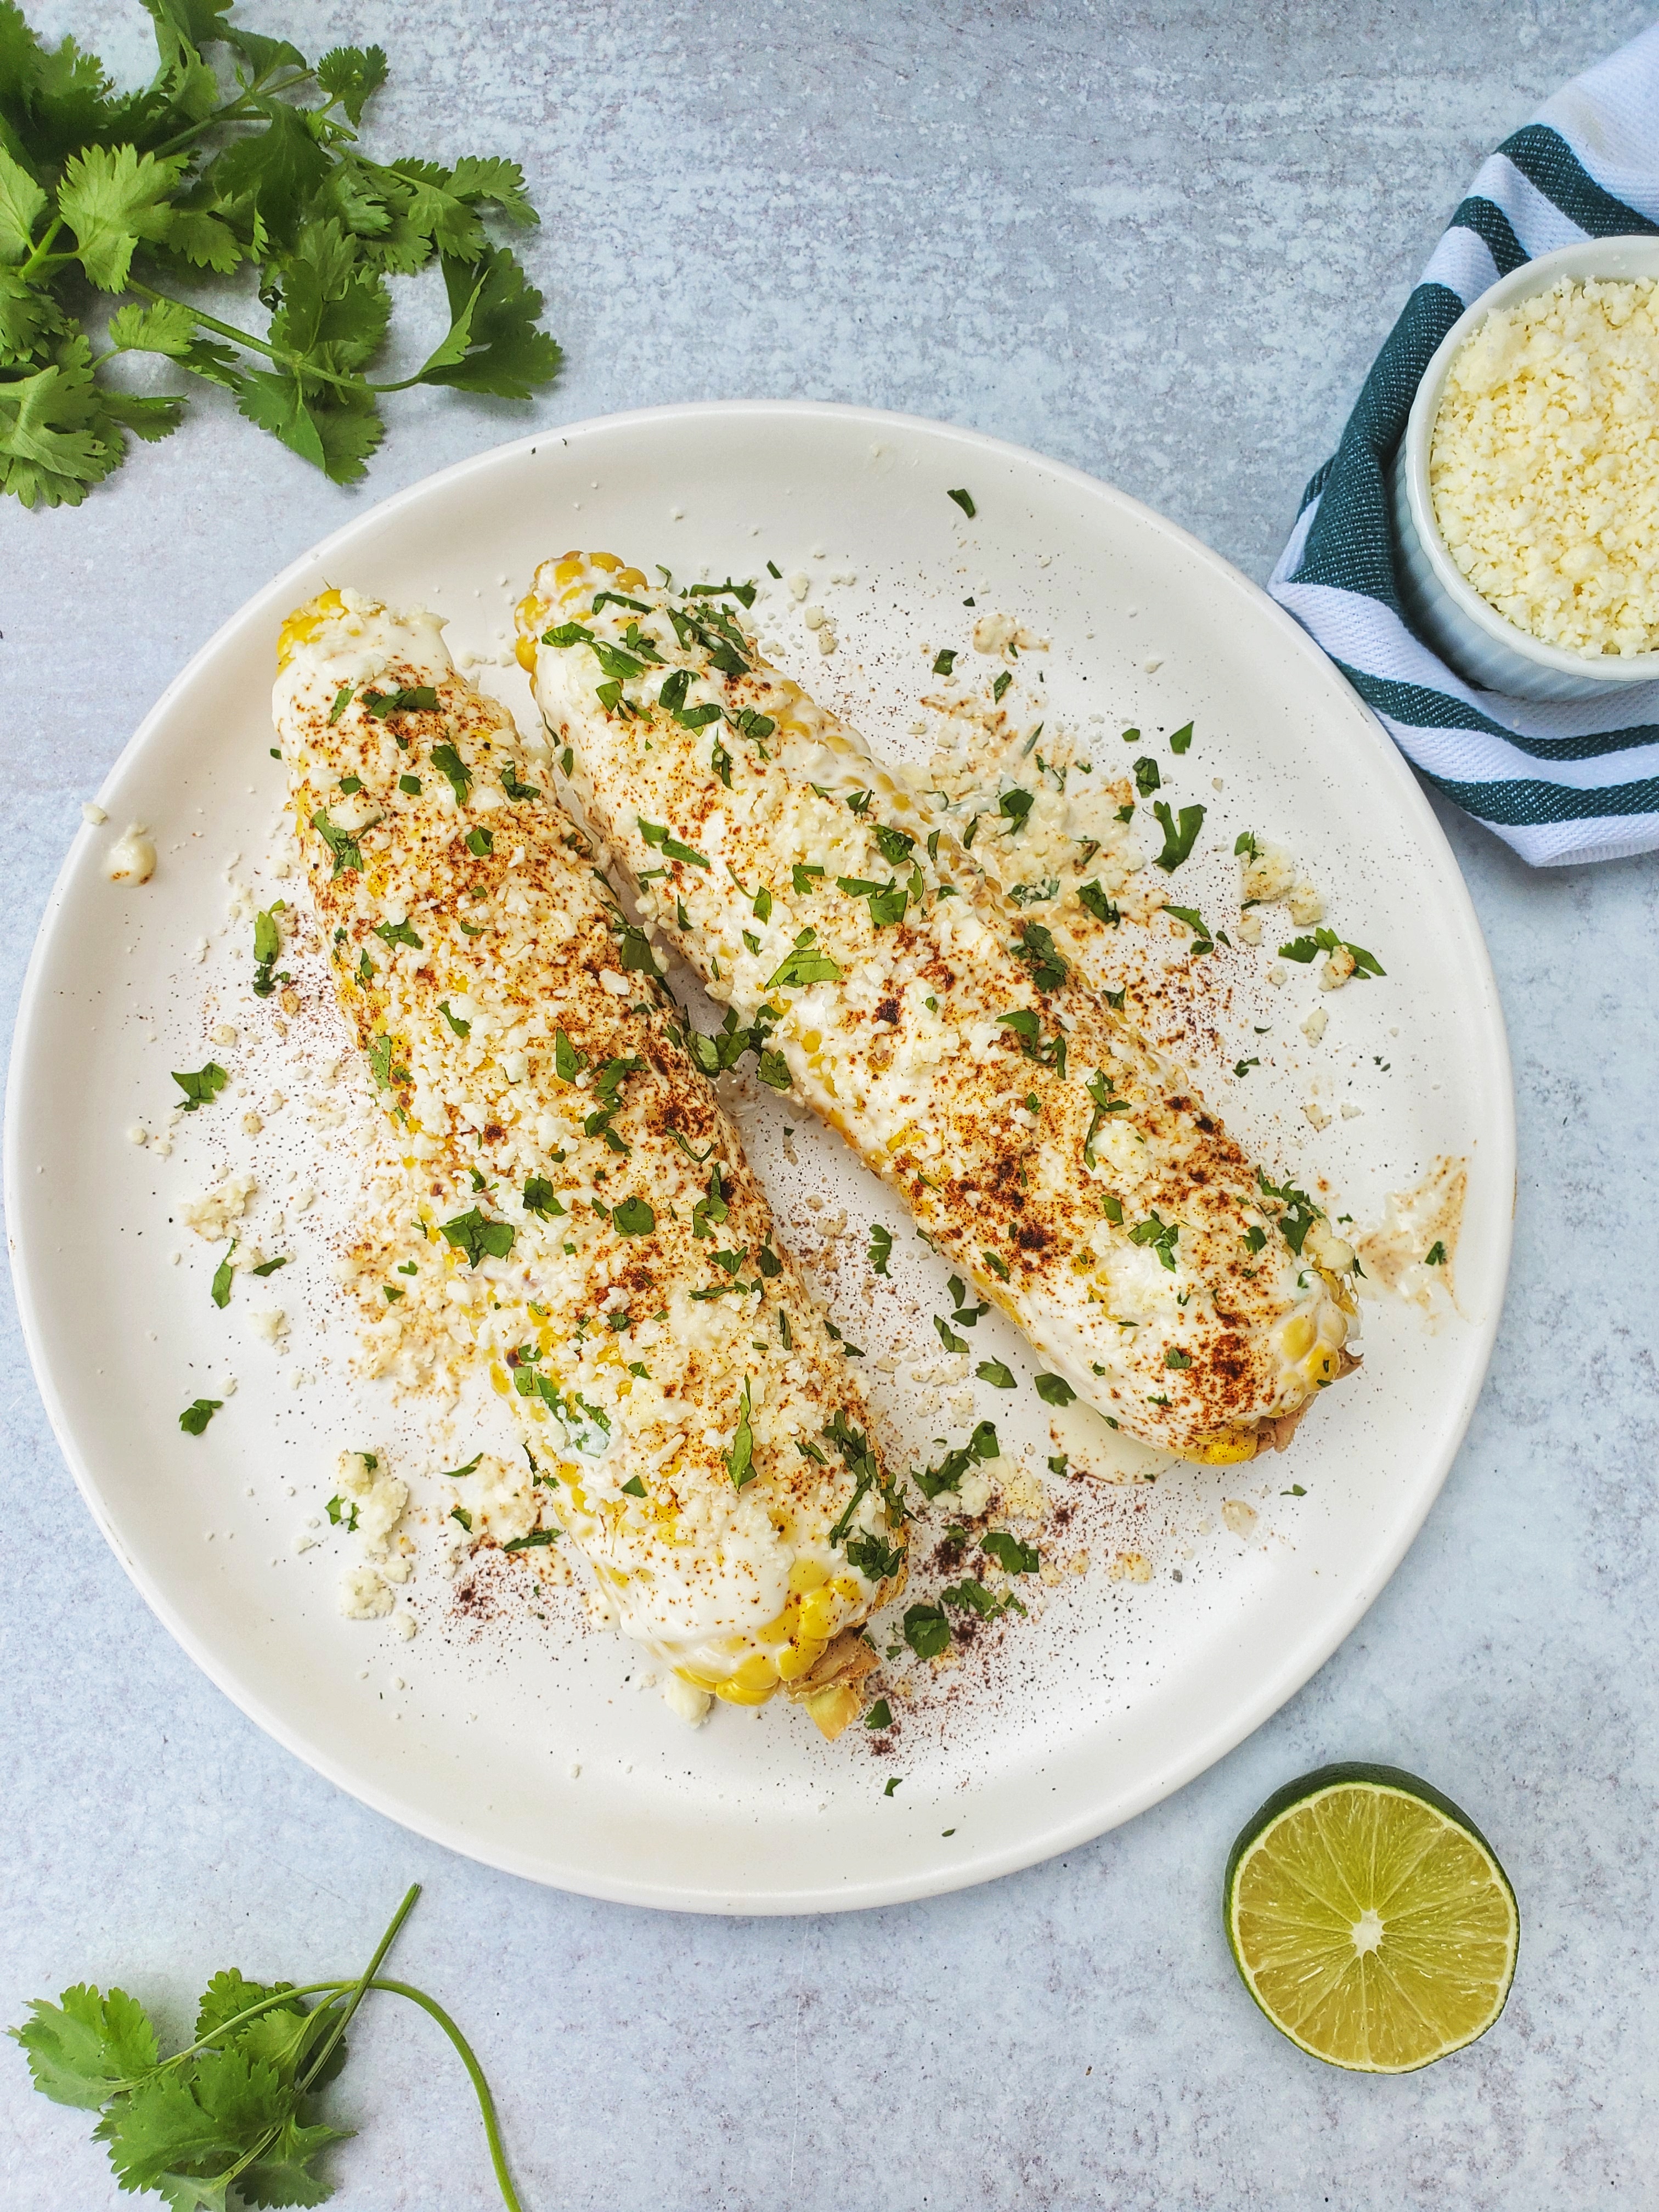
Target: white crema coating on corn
{"type": "Point", "coordinates": [629, 1299]}
{"type": "Point", "coordinates": [1544, 464]}
{"type": "Point", "coordinates": [1039, 1140]}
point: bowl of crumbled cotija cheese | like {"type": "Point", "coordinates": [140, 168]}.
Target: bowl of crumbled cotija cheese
{"type": "Point", "coordinates": [1525, 488]}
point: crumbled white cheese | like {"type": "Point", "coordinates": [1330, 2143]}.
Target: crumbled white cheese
{"type": "Point", "coordinates": [268, 1322]}
{"type": "Point", "coordinates": [684, 1698]}
{"type": "Point", "coordinates": [1239, 1517]}
{"type": "Point", "coordinates": [92, 812]}
{"type": "Point", "coordinates": [1316, 1113]}
{"type": "Point", "coordinates": [379, 1497]}
{"type": "Point", "coordinates": [1327, 1249]}
{"type": "Point", "coordinates": [1314, 1027]}
{"type": "Point", "coordinates": [1544, 468]}
{"type": "Point", "coordinates": [1130, 1567]}
{"type": "Point", "coordinates": [131, 857]}
{"type": "Point", "coordinates": [213, 1215]}
{"type": "Point", "coordinates": [363, 1595]}
{"type": "Point", "coordinates": [1337, 969]}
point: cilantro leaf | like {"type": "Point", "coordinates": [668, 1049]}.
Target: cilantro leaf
{"type": "Point", "coordinates": [1010, 1554]}
{"type": "Point", "coordinates": [479, 1238]}
{"type": "Point", "coordinates": [112, 197]}
{"type": "Point", "coordinates": [78, 2049]}
{"type": "Point", "coordinates": [196, 1415]}
{"type": "Point", "coordinates": [22, 201]}
{"type": "Point", "coordinates": [996, 1373]}
{"type": "Point", "coordinates": [492, 344]}
{"type": "Point", "coordinates": [1052, 1389]}
{"type": "Point", "coordinates": [201, 1085]}
{"type": "Point", "coordinates": [926, 1630]}
{"type": "Point", "coordinates": [350, 75]}
{"type": "Point", "coordinates": [740, 1459]}
{"type": "Point", "coordinates": [881, 1248]}
{"type": "Point", "coordinates": [1179, 837]}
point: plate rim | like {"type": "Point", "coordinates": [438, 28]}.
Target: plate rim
{"type": "Point", "coordinates": [1241, 1720]}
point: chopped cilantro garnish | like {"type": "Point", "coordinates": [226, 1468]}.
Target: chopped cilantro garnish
{"type": "Point", "coordinates": [1304, 950]}
{"type": "Point", "coordinates": [996, 1373]}
{"type": "Point", "coordinates": [1180, 740]}
{"type": "Point", "coordinates": [633, 1218]}
{"type": "Point", "coordinates": [1179, 837]}
{"type": "Point", "coordinates": [196, 1415]}
{"type": "Point", "coordinates": [343, 843]}
{"type": "Point", "coordinates": [201, 1085]}
{"type": "Point", "coordinates": [740, 1459]}
{"type": "Point", "coordinates": [656, 835]}
{"type": "Point", "coordinates": [927, 1633]}
{"type": "Point", "coordinates": [1010, 1554]}
{"type": "Point", "coordinates": [413, 698]}
{"type": "Point", "coordinates": [881, 1248]}
{"type": "Point", "coordinates": [1436, 1255]}
{"type": "Point", "coordinates": [944, 662]}
{"type": "Point", "coordinates": [479, 1236]}
{"type": "Point", "coordinates": [222, 1275]}
{"type": "Point", "coordinates": [964, 500]}
{"type": "Point", "coordinates": [1001, 685]}
{"type": "Point", "coordinates": [1052, 1389]}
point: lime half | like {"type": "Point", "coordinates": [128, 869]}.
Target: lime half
{"type": "Point", "coordinates": [1370, 1920]}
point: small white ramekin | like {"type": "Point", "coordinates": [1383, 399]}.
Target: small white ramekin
{"type": "Point", "coordinates": [1443, 606]}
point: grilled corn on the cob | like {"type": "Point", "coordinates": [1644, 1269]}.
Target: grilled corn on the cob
{"type": "Point", "coordinates": [1039, 1140]}
{"type": "Point", "coordinates": [694, 1426]}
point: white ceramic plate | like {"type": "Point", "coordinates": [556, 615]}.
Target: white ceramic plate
{"type": "Point", "coordinates": [1119, 1691]}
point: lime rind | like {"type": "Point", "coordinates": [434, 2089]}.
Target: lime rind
{"type": "Point", "coordinates": [1352, 2005]}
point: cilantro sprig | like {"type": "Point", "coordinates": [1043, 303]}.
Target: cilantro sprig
{"type": "Point", "coordinates": [237, 2109]}
{"type": "Point", "coordinates": [239, 160]}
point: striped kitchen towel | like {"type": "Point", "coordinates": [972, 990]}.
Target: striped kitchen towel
{"type": "Point", "coordinates": [1561, 782]}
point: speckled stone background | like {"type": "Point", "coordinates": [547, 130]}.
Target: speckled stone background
{"type": "Point", "coordinates": [1161, 243]}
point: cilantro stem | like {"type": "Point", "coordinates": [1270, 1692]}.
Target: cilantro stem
{"type": "Point", "coordinates": [290, 361]}
{"type": "Point", "coordinates": [40, 252]}
{"type": "Point", "coordinates": [230, 2026]}
{"type": "Point", "coordinates": [240, 110]}
{"type": "Point", "coordinates": [363, 1983]}
{"type": "Point", "coordinates": [486, 2102]}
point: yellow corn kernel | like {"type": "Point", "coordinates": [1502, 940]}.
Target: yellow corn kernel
{"type": "Point", "coordinates": [1321, 1367]}
{"type": "Point", "coordinates": [819, 1612]}
{"type": "Point", "coordinates": [1299, 1336]}
{"type": "Point", "coordinates": [806, 1575]}
{"type": "Point", "coordinates": [834, 1709]}
{"type": "Point", "coordinates": [631, 580]}
{"type": "Point", "coordinates": [734, 1694]}
{"type": "Point", "coordinates": [608, 561]}
{"type": "Point", "coordinates": [303, 624]}
{"type": "Point", "coordinates": [569, 569]}
{"type": "Point", "coordinates": [846, 1586]}
{"type": "Point", "coordinates": [781, 1630]}
{"type": "Point", "coordinates": [800, 1658]}
{"type": "Point", "coordinates": [1231, 1445]}
{"type": "Point", "coordinates": [500, 1377]}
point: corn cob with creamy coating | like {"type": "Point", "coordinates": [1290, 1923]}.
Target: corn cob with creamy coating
{"type": "Point", "coordinates": [694, 1426]}
{"type": "Point", "coordinates": [1036, 1137]}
